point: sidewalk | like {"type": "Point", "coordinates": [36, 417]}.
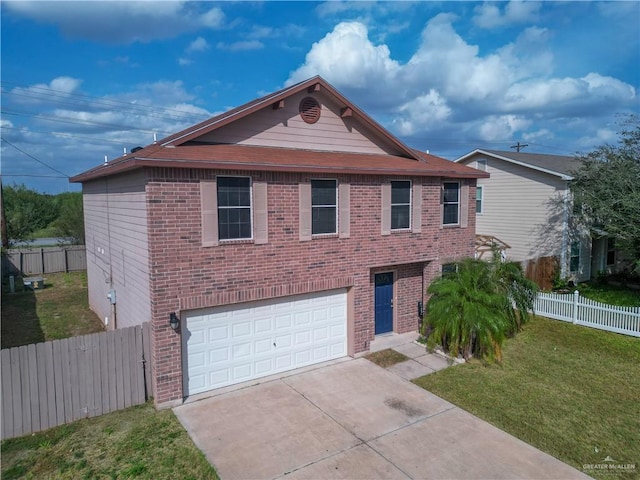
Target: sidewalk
{"type": "Point", "coordinates": [420, 361]}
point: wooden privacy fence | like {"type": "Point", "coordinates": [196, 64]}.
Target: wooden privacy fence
{"type": "Point", "coordinates": [571, 307]}
{"type": "Point", "coordinates": [49, 384]}
{"type": "Point", "coordinates": [541, 271]}
{"type": "Point", "coordinates": [31, 261]}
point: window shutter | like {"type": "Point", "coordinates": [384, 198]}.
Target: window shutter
{"type": "Point", "coordinates": [416, 208]}
{"type": "Point", "coordinates": [209, 209]}
{"type": "Point", "coordinates": [386, 209]}
{"type": "Point", "coordinates": [304, 192]}
{"type": "Point", "coordinates": [464, 204]}
{"type": "Point", "coordinates": [260, 213]}
{"type": "Point", "coordinates": [344, 210]}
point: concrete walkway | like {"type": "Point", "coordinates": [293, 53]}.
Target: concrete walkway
{"type": "Point", "coordinates": [351, 419]}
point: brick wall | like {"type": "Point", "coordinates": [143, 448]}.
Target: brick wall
{"type": "Point", "coordinates": [184, 275]}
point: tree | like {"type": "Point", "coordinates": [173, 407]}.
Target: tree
{"type": "Point", "coordinates": [606, 190]}
{"type": "Point", "coordinates": [472, 310]}
{"type": "Point", "coordinates": [70, 222]}
{"type": "Point", "coordinates": [27, 211]}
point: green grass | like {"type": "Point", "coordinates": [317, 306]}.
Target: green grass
{"type": "Point", "coordinates": [386, 358]}
{"type": "Point", "coordinates": [610, 294]}
{"type": "Point", "coordinates": [571, 391]}
{"type": "Point", "coordinates": [60, 310]}
{"type": "Point", "coordinates": [139, 442]}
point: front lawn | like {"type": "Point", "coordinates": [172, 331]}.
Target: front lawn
{"type": "Point", "coordinates": [138, 442]}
{"type": "Point", "coordinates": [570, 391]}
{"type": "Point", "coordinates": [611, 294]}
{"type": "Point", "coordinates": [60, 310]}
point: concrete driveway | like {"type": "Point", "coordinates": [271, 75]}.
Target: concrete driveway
{"type": "Point", "coordinates": [354, 420]}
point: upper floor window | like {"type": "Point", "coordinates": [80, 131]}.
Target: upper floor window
{"type": "Point", "coordinates": [481, 164]}
{"type": "Point", "coordinates": [451, 203]}
{"type": "Point", "coordinates": [324, 203]}
{"type": "Point", "coordinates": [479, 199]}
{"type": "Point", "coordinates": [234, 208]}
{"type": "Point", "coordinates": [400, 205]}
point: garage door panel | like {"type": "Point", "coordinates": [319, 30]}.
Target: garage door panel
{"type": "Point", "coordinates": [247, 341]}
{"type": "Point", "coordinates": [263, 346]}
{"type": "Point", "coordinates": [262, 325]}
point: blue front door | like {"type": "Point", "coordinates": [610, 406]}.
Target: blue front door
{"type": "Point", "coordinates": [384, 302]}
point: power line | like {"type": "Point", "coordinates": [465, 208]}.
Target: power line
{"type": "Point", "coordinates": [31, 175]}
{"type": "Point", "coordinates": [65, 135]}
{"type": "Point", "coordinates": [34, 158]}
{"type": "Point", "coordinates": [51, 118]}
{"type": "Point", "coordinates": [91, 98]}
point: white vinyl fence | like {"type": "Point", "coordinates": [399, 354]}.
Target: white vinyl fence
{"type": "Point", "coordinates": [571, 307]}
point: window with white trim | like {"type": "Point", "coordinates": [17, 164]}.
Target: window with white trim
{"type": "Point", "coordinates": [400, 205]}
{"type": "Point", "coordinates": [479, 199]}
{"type": "Point", "coordinates": [450, 203]}
{"type": "Point", "coordinates": [574, 258]}
{"type": "Point", "coordinates": [234, 208]}
{"type": "Point", "coordinates": [481, 164]}
{"type": "Point", "coordinates": [324, 206]}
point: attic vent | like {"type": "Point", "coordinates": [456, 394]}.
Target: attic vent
{"type": "Point", "coordinates": [309, 110]}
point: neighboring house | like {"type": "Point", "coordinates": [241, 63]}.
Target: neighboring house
{"type": "Point", "coordinates": [286, 232]}
{"type": "Point", "coordinates": [526, 203]}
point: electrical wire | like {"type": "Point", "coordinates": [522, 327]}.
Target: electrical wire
{"type": "Point", "coordinates": [34, 158]}
{"type": "Point", "coordinates": [94, 100]}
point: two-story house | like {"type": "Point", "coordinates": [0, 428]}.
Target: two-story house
{"type": "Point", "coordinates": [526, 202]}
{"type": "Point", "coordinates": [286, 232]}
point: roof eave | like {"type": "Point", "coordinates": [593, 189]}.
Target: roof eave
{"type": "Point", "coordinates": [563, 176]}
{"type": "Point", "coordinates": [109, 170]}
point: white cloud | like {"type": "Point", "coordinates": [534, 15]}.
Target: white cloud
{"type": "Point", "coordinates": [241, 45]}
{"type": "Point", "coordinates": [198, 45]}
{"type": "Point", "coordinates": [120, 21]}
{"type": "Point", "coordinates": [488, 15]}
{"type": "Point", "coordinates": [500, 95]}
{"type": "Point", "coordinates": [422, 112]}
{"type": "Point", "coordinates": [339, 7]}
{"type": "Point", "coordinates": [348, 58]}
{"type": "Point", "coordinates": [183, 61]}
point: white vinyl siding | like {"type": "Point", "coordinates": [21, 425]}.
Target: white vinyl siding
{"type": "Point", "coordinates": [518, 209]}
{"type": "Point", "coordinates": [115, 215]}
{"type": "Point", "coordinates": [284, 128]}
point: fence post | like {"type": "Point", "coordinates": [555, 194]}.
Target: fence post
{"type": "Point", "coordinates": [576, 296]}
{"type": "Point", "coordinates": [42, 259]}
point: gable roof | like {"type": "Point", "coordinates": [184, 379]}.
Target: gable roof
{"type": "Point", "coordinates": [181, 150]}
{"type": "Point", "coordinates": [559, 165]}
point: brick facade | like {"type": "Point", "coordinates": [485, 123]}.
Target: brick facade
{"type": "Point", "coordinates": [184, 275]}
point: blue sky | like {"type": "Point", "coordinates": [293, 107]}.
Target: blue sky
{"type": "Point", "coordinates": [81, 80]}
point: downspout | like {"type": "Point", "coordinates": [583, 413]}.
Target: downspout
{"type": "Point", "coordinates": [565, 232]}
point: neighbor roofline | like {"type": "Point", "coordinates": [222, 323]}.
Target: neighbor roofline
{"type": "Point", "coordinates": [562, 176]}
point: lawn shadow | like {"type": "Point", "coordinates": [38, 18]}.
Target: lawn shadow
{"type": "Point", "coordinates": [20, 324]}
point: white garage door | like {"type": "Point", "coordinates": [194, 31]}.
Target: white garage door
{"type": "Point", "coordinates": [236, 343]}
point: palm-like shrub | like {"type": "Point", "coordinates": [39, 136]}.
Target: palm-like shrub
{"type": "Point", "coordinates": [472, 310]}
